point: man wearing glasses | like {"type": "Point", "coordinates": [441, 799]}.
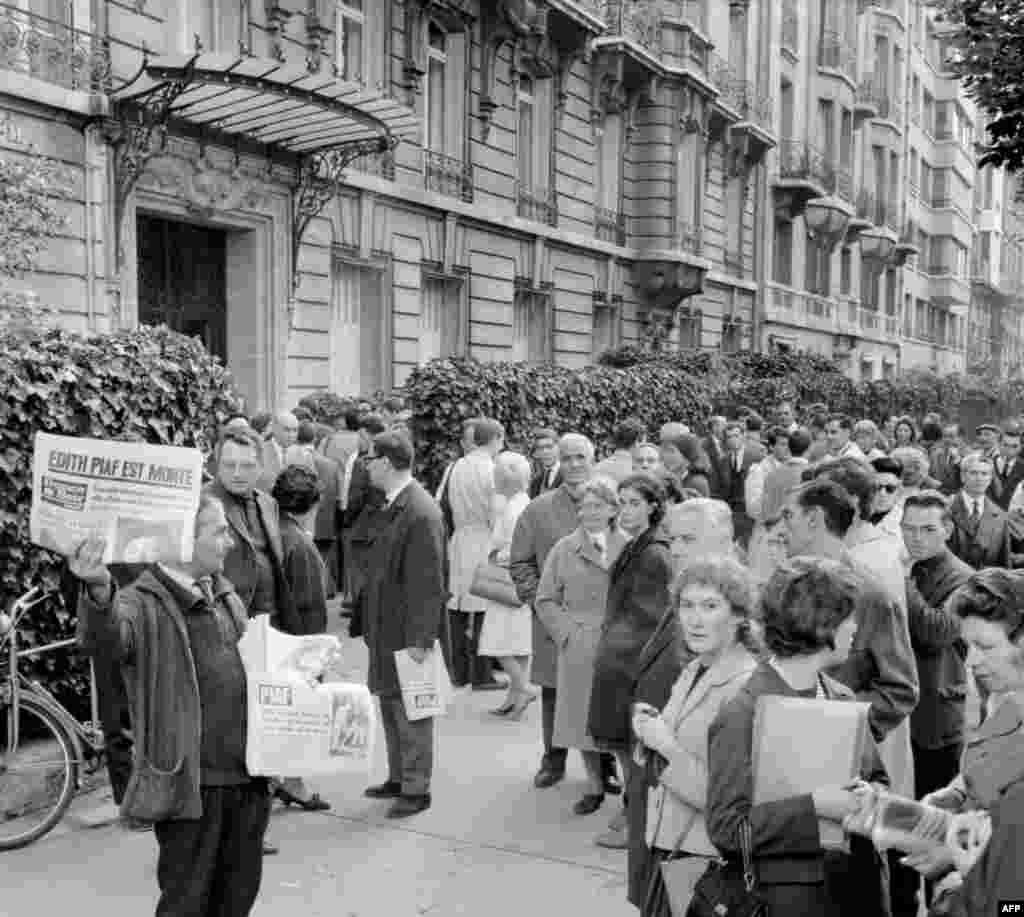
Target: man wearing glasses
{"type": "Point", "coordinates": [887, 505]}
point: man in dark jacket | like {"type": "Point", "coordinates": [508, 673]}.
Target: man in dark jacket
{"type": "Point", "coordinates": [981, 532]}
{"type": "Point", "coordinates": [937, 723]}
{"type": "Point", "coordinates": [402, 597]}
{"type": "Point", "coordinates": [175, 632]}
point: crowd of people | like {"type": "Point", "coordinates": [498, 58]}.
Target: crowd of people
{"type": "Point", "coordinates": [646, 600]}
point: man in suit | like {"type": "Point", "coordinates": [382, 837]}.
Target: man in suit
{"type": "Point", "coordinates": [987, 437]}
{"type": "Point", "coordinates": [937, 723]}
{"type": "Point", "coordinates": [547, 474]}
{"type": "Point", "coordinates": [714, 447]}
{"type": "Point", "coordinates": [783, 479]}
{"type": "Point", "coordinates": [1008, 468]}
{"type": "Point", "coordinates": [981, 532]}
{"type": "Point", "coordinates": [739, 457]}
{"type": "Point", "coordinates": [284, 431]}
{"type": "Point", "coordinates": [402, 599]}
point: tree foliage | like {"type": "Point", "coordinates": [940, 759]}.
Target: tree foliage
{"type": "Point", "coordinates": [987, 42]}
{"type": "Point", "coordinates": [150, 383]}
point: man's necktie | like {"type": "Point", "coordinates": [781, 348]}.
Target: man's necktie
{"type": "Point", "coordinates": [976, 513]}
{"type": "Point", "coordinates": [205, 586]}
{"type": "Point", "coordinates": [252, 516]}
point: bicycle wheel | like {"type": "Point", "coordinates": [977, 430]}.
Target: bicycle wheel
{"type": "Point", "coordinates": [38, 773]}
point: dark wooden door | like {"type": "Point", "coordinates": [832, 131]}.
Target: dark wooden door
{"type": "Point", "coordinates": [182, 280]}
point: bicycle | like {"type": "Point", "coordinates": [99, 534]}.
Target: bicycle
{"type": "Point", "coordinates": [44, 749]}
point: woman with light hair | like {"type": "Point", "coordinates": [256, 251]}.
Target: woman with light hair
{"type": "Point", "coordinates": [570, 606]}
{"type": "Point", "coordinates": [915, 466]}
{"type": "Point", "coordinates": [867, 436]}
{"type": "Point", "coordinates": [507, 631]}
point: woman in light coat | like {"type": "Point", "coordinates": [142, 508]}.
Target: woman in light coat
{"type": "Point", "coordinates": [570, 605]}
{"type": "Point", "coordinates": [714, 599]}
{"type": "Point", "coordinates": [507, 632]}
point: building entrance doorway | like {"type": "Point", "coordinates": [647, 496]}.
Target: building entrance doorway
{"type": "Point", "coordinates": [182, 280]}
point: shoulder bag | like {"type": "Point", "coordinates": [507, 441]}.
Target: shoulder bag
{"type": "Point", "coordinates": [724, 892]}
{"type": "Point", "coordinates": [492, 581]}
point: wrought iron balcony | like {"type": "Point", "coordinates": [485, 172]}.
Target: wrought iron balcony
{"type": "Point", "coordinates": [689, 238]}
{"type": "Point", "coordinates": [610, 225]}
{"type": "Point", "coordinates": [870, 99]}
{"type": "Point", "coordinates": [800, 161]}
{"type": "Point", "coordinates": [447, 175]}
{"type": "Point", "coordinates": [639, 23]}
{"type": "Point", "coordinates": [53, 51]}
{"type": "Point", "coordinates": [537, 204]}
{"type": "Point", "coordinates": [835, 53]}
{"type": "Point", "coordinates": [732, 91]}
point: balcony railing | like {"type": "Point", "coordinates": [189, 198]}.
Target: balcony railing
{"type": "Point", "coordinates": [835, 53]}
{"type": "Point", "coordinates": [731, 89]}
{"type": "Point", "coordinates": [732, 261]}
{"type": "Point", "coordinates": [695, 12]}
{"type": "Point", "coordinates": [800, 161]}
{"type": "Point", "coordinates": [610, 225]}
{"type": "Point", "coordinates": [689, 238]}
{"type": "Point", "coordinates": [537, 204]}
{"type": "Point", "coordinates": [791, 305]}
{"type": "Point", "coordinates": [869, 93]}
{"type": "Point", "coordinates": [639, 23]}
{"type": "Point", "coordinates": [53, 51]}
{"type": "Point", "coordinates": [447, 175]}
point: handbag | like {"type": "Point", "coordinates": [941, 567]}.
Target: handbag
{"type": "Point", "coordinates": [493, 582]}
{"type": "Point", "coordinates": [723, 892]}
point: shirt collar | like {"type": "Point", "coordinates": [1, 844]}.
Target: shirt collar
{"type": "Point", "coordinates": [186, 582]}
{"type": "Point", "coordinates": [391, 495]}
{"type": "Point", "coordinates": [970, 501]}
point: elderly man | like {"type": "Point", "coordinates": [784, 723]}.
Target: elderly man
{"type": "Point", "coordinates": [981, 532]}
{"type": "Point", "coordinates": [550, 517]}
{"type": "Point", "coordinates": [175, 632]}
{"type": "Point", "coordinates": [284, 432]}
{"type": "Point", "coordinates": [697, 528]}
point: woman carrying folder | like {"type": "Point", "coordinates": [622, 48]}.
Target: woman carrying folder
{"type": "Point", "coordinates": [714, 599]}
{"type": "Point", "coordinates": [807, 613]}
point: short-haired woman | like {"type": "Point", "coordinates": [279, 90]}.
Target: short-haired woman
{"type": "Point", "coordinates": [297, 492]}
{"type": "Point", "coordinates": [684, 457]}
{"type": "Point", "coordinates": [638, 597]}
{"type": "Point", "coordinates": [570, 604]}
{"type": "Point", "coordinates": [714, 599]}
{"type": "Point", "coordinates": [990, 607]}
{"type": "Point", "coordinates": [807, 611]}
{"type": "Point", "coordinates": [507, 631]}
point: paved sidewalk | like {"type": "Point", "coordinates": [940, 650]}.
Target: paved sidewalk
{"type": "Point", "coordinates": [492, 845]}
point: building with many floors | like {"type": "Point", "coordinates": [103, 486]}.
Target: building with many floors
{"type": "Point", "coordinates": [329, 192]}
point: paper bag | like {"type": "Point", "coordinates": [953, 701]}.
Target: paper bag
{"type": "Point", "coordinates": [426, 687]}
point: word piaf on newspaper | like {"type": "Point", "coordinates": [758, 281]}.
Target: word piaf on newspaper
{"type": "Point", "coordinates": [141, 499]}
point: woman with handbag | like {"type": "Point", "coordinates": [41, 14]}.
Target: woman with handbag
{"type": "Point", "coordinates": [570, 605]}
{"type": "Point", "coordinates": [714, 599]}
{"type": "Point", "coordinates": [779, 864]}
{"type": "Point", "coordinates": [638, 597]}
{"type": "Point", "coordinates": [507, 628]}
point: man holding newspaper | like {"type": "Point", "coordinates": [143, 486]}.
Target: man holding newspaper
{"type": "Point", "coordinates": [399, 551]}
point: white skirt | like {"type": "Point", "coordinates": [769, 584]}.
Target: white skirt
{"type": "Point", "coordinates": [506, 631]}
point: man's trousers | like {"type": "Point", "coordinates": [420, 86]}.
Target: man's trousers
{"type": "Point", "coordinates": [410, 746]}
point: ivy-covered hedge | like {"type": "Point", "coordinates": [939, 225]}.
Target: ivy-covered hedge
{"type": "Point", "coordinates": [688, 387]}
{"type": "Point", "coordinates": [151, 384]}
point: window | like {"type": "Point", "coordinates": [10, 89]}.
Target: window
{"type": "Point", "coordinates": [782, 269]}
{"type": "Point", "coordinates": [732, 336]}
{"type": "Point", "coordinates": [928, 111]}
{"type": "Point", "coordinates": [920, 318]}
{"type": "Point", "coordinates": [689, 329]}
{"type": "Point", "coordinates": [879, 162]}
{"type": "Point", "coordinates": [818, 269]}
{"type": "Point", "coordinates": [358, 330]}
{"type": "Point", "coordinates": [827, 128]}
{"type": "Point", "coordinates": [434, 101]}
{"type": "Point", "coordinates": [738, 39]}
{"type": "Point", "coordinates": [913, 170]}
{"type": "Point", "coordinates": [531, 324]}
{"type": "Point", "coordinates": [882, 64]}
{"type": "Point", "coordinates": [689, 184]}
{"type": "Point", "coordinates": [735, 199]}
{"type": "Point", "coordinates": [926, 181]}
{"type": "Point", "coordinates": [867, 370]}
{"type": "Point", "coordinates": [846, 139]}
{"type": "Point", "coordinates": [351, 44]}
{"type": "Point", "coordinates": [915, 96]}
{"type": "Point", "coordinates": [894, 181]}
{"type": "Point", "coordinates": [868, 284]}
{"type": "Point", "coordinates": [609, 163]}
{"type": "Point", "coordinates": [534, 126]}
{"type": "Point", "coordinates": [786, 108]}
{"type": "Point", "coordinates": [943, 129]}
{"type": "Point", "coordinates": [890, 291]}
{"type": "Point", "coordinates": [442, 317]}
{"type": "Point", "coordinates": [962, 261]}
{"type": "Point", "coordinates": [605, 333]}
{"type": "Point", "coordinates": [845, 271]}
{"type": "Point", "coordinates": [908, 314]}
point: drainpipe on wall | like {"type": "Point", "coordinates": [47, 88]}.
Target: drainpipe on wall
{"type": "Point", "coordinates": [765, 47]}
{"type": "Point", "coordinates": [89, 226]}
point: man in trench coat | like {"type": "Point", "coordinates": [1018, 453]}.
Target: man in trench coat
{"type": "Point", "coordinates": [400, 550]}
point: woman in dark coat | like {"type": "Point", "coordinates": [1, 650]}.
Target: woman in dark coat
{"type": "Point", "coordinates": [297, 492]}
{"type": "Point", "coordinates": [638, 597]}
{"type": "Point", "coordinates": [684, 456]}
{"type": "Point", "coordinates": [808, 620]}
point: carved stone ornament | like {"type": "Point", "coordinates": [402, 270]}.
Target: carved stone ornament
{"type": "Point", "coordinates": [664, 284]}
{"type": "Point", "coordinates": [205, 187]}
{"type": "Point", "coordinates": [450, 14]}
{"type": "Point", "coordinates": [503, 22]}
{"type": "Point", "coordinates": [277, 20]}
{"type": "Point", "coordinates": [612, 93]}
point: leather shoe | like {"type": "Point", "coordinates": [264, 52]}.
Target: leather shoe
{"type": "Point", "coordinates": [407, 805]}
{"type": "Point", "coordinates": [389, 789]}
{"type": "Point", "coordinates": [589, 804]}
{"type": "Point", "coordinates": [270, 850]}
{"type": "Point", "coordinates": [612, 786]}
{"type": "Point", "coordinates": [546, 777]}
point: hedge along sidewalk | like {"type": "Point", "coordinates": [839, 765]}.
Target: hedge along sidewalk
{"type": "Point", "coordinates": [687, 387]}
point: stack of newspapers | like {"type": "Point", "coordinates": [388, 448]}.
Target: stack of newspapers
{"type": "Point", "coordinates": [895, 823]}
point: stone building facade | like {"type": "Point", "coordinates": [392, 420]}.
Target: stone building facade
{"type": "Point", "coordinates": [329, 192]}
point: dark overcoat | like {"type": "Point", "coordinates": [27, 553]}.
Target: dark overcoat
{"type": "Point", "coordinates": [305, 611]}
{"type": "Point", "coordinates": [986, 544]}
{"type": "Point", "coordinates": [638, 597]}
{"type": "Point", "coordinates": [400, 552]}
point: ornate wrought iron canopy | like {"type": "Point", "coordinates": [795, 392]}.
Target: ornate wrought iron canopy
{"type": "Point", "coordinates": [321, 121]}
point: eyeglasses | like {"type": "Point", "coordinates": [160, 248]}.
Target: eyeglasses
{"type": "Point", "coordinates": [889, 488]}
